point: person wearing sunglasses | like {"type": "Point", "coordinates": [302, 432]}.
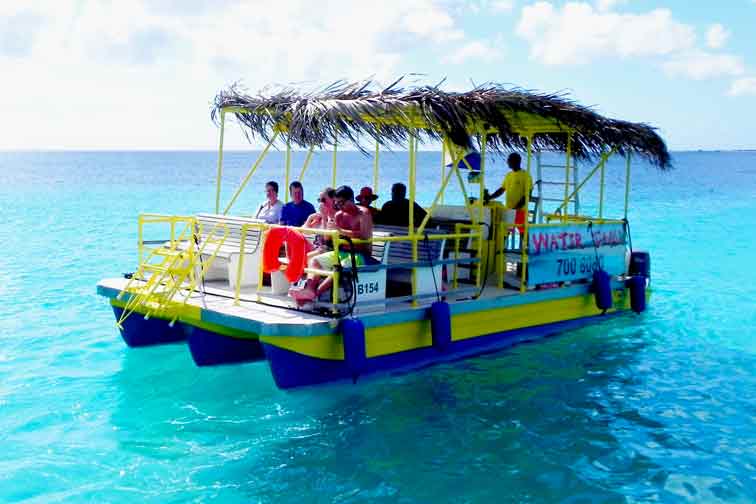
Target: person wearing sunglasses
{"type": "Point", "coordinates": [351, 221]}
{"type": "Point", "coordinates": [324, 218]}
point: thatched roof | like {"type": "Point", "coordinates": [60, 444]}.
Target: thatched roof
{"type": "Point", "coordinates": [354, 112]}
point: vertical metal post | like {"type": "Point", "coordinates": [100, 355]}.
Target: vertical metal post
{"type": "Point", "coordinates": [443, 166]}
{"type": "Point", "coordinates": [287, 169]}
{"type": "Point", "coordinates": [539, 174]}
{"type": "Point", "coordinates": [576, 177]}
{"type": "Point", "coordinates": [412, 194]}
{"type": "Point", "coordinates": [526, 224]}
{"type": "Point", "coordinates": [601, 190]}
{"type": "Point", "coordinates": [375, 167]}
{"type": "Point", "coordinates": [627, 182]}
{"type": "Point", "coordinates": [567, 177]}
{"type": "Point", "coordinates": [482, 176]}
{"type": "Point", "coordinates": [220, 161]}
{"type": "Point", "coordinates": [333, 169]}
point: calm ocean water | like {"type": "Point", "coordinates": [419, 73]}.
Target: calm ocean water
{"type": "Point", "coordinates": [659, 407]}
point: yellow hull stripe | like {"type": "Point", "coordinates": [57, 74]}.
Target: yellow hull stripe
{"type": "Point", "coordinates": [385, 340]}
{"type": "Point", "coordinates": [192, 315]}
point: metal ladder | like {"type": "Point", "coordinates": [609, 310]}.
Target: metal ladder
{"type": "Point", "coordinates": [565, 185]}
{"type": "Point", "coordinates": [155, 288]}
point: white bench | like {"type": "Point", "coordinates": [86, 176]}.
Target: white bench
{"type": "Point", "coordinates": [429, 280]}
{"type": "Point", "coordinates": [226, 263]}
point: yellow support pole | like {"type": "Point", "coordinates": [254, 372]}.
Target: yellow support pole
{"type": "Point", "coordinates": [567, 177]}
{"type": "Point", "coordinates": [439, 196]}
{"type": "Point", "coordinates": [627, 183]}
{"type": "Point", "coordinates": [220, 161]}
{"type": "Point", "coordinates": [287, 175]}
{"type": "Point", "coordinates": [333, 170]}
{"type": "Point", "coordinates": [306, 163]}
{"type": "Point", "coordinates": [482, 174]}
{"type": "Point", "coordinates": [443, 165]}
{"type": "Point", "coordinates": [524, 240]}
{"type": "Point", "coordinates": [601, 191]}
{"type": "Point", "coordinates": [251, 172]}
{"type": "Point", "coordinates": [335, 286]}
{"type": "Point", "coordinates": [412, 194]}
{"type": "Point", "coordinates": [601, 162]}
{"type": "Point", "coordinates": [375, 167]}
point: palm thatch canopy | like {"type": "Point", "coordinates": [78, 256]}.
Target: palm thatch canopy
{"type": "Point", "coordinates": [353, 111]}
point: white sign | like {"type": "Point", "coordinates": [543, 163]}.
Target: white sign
{"type": "Point", "coordinates": [558, 253]}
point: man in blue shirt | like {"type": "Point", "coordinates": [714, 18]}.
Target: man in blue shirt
{"type": "Point", "coordinates": [296, 211]}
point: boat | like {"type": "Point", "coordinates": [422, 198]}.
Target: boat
{"type": "Point", "coordinates": [467, 278]}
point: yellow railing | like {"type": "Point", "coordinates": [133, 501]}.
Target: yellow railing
{"type": "Point", "coordinates": [337, 242]}
{"type": "Point", "coordinates": [155, 287]}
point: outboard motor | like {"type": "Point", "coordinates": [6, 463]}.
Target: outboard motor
{"type": "Point", "coordinates": [640, 264]}
{"type": "Point", "coordinates": [353, 334]}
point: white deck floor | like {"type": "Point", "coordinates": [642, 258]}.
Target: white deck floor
{"type": "Point", "coordinates": [268, 308]}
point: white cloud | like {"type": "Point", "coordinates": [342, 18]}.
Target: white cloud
{"type": "Point", "coordinates": [473, 50]}
{"type": "Point", "coordinates": [699, 65]}
{"type": "Point", "coordinates": [744, 86]}
{"type": "Point", "coordinates": [502, 5]}
{"type": "Point", "coordinates": [716, 36]}
{"type": "Point", "coordinates": [578, 33]}
{"type": "Point", "coordinates": [148, 70]}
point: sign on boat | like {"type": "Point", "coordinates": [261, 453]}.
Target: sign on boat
{"type": "Point", "coordinates": [469, 277]}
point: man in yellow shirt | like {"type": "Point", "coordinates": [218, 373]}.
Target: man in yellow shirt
{"type": "Point", "coordinates": [517, 184]}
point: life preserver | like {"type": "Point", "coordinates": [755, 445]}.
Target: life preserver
{"type": "Point", "coordinates": [296, 252]}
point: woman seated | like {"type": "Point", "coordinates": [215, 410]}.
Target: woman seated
{"type": "Point", "coordinates": [270, 210]}
{"type": "Point", "coordinates": [322, 219]}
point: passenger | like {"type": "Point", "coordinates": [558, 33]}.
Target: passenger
{"type": "Point", "coordinates": [517, 184]}
{"type": "Point", "coordinates": [270, 210]}
{"type": "Point", "coordinates": [324, 218]}
{"type": "Point", "coordinates": [396, 211]}
{"type": "Point", "coordinates": [365, 198]}
{"type": "Point", "coordinates": [353, 222]}
{"type": "Point", "coordinates": [296, 211]}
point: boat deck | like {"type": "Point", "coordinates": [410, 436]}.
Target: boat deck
{"type": "Point", "coordinates": [265, 313]}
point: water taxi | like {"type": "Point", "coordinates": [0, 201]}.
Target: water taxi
{"type": "Point", "coordinates": [465, 279]}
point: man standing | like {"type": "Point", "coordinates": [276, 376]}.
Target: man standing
{"type": "Point", "coordinates": [352, 221]}
{"type": "Point", "coordinates": [517, 184]}
{"type": "Point", "coordinates": [296, 211]}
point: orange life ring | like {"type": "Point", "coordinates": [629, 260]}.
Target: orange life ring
{"type": "Point", "coordinates": [296, 252]}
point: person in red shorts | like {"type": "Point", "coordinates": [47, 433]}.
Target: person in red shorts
{"type": "Point", "coordinates": [517, 185]}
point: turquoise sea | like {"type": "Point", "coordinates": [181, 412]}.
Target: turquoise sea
{"type": "Point", "coordinates": [653, 408]}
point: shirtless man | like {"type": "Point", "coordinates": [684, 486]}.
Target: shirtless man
{"type": "Point", "coordinates": [351, 221]}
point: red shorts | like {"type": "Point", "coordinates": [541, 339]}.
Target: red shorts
{"type": "Point", "coordinates": [520, 219]}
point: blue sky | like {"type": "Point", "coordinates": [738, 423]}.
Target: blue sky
{"type": "Point", "coordinates": [141, 74]}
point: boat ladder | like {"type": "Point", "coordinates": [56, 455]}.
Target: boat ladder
{"type": "Point", "coordinates": [169, 275]}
